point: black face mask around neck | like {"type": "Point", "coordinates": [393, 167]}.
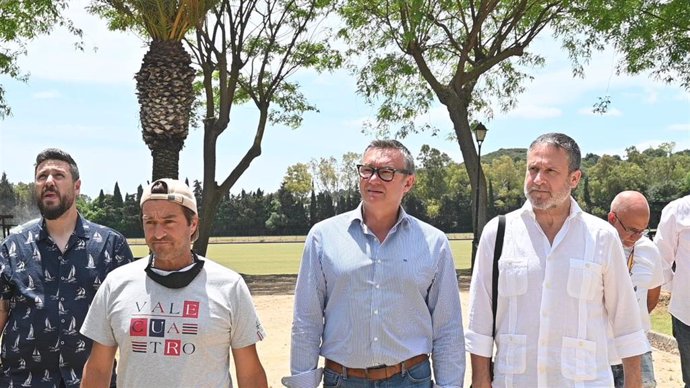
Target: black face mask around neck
{"type": "Point", "coordinates": [175, 279]}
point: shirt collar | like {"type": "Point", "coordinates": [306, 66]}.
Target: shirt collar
{"type": "Point", "coordinates": [356, 215]}
{"type": "Point", "coordinates": [79, 230]}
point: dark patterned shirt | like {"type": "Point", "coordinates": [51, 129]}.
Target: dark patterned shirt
{"type": "Point", "coordinates": [50, 293]}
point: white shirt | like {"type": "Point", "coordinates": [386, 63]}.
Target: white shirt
{"type": "Point", "coordinates": [555, 302]}
{"type": "Point", "coordinates": [673, 240]}
{"type": "Point", "coordinates": [647, 273]}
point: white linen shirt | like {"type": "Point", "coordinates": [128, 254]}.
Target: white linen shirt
{"type": "Point", "coordinates": [673, 240]}
{"type": "Point", "coordinates": [555, 302]}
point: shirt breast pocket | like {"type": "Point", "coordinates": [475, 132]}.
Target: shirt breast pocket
{"type": "Point", "coordinates": [584, 279]}
{"type": "Point", "coordinates": [579, 359]}
{"type": "Point", "coordinates": [512, 353]}
{"type": "Point", "coordinates": [512, 278]}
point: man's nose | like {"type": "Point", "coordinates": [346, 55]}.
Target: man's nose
{"type": "Point", "coordinates": [50, 180]}
{"type": "Point", "coordinates": [158, 232]}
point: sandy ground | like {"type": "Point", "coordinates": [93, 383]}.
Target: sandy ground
{"type": "Point", "coordinates": [275, 312]}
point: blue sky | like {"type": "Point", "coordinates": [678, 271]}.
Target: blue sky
{"type": "Point", "coordinates": [85, 103]}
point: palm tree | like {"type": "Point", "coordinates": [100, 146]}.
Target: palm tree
{"type": "Point", "coordinates": [165, 81]}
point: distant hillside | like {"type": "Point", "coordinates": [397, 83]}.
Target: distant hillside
{"type": "Point", "coordinates": [515, 153]}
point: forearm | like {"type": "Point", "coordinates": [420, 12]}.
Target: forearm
{"type": "Point", "coordinates": [98, 368]}
{"type": "Point", "coordinates": [481, 371]}
{"type": "Point", "coordinates": [256, 380]}
{"type": "Point", "coordinates": [653, 298]}
{"type": "Point", "coordinates": [4, 314]}
{"type": "Point", "coordinates": [632, 372]}
{"type": "Point", "coordinates": [95, 377]}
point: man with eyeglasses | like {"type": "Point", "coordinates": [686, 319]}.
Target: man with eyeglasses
{"type": "Point", "coordinates": [673, 240]}
{"type": "Point", "coordinates": [377, 291]}
{"type": "Point", "coordinates": [630, 216]}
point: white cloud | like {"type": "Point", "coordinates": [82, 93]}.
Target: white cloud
{"type": "Point", "coordinates": [679, 127]}
{"type": "Point", "coordinates": [47, 95]}
{"type": "Point", "coordinates": [108, 57]}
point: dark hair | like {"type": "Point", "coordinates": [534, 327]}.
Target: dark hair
{"type": "Point", "coordinates": [394, 144]}
{"type": "Point", "coordinates": [564, 142]}
{"type": "Point", "coordinates": [57, 154]}
{"type": "Point", "coordinates": [160, 187]}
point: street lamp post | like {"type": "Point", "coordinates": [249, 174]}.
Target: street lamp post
{"type": "Point", "coordinates": [480, 134]}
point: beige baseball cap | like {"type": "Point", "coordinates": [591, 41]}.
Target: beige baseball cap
{"type": "Point", "coordinates": [175, 191]}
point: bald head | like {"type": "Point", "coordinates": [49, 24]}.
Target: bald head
{"type": "Point", "coordinates": [629, 215]}
{"type": "Point", "coordinates": [630, 201]}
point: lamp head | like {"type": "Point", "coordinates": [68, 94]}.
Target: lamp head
{"type": "Point", "coordinates": [480, 132]}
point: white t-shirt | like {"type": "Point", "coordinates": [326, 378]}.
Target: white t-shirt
{"type": "Point", "coordinates": [173, 337]}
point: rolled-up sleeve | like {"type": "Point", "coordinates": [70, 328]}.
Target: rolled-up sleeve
{"type": "Point", "coordinates": [478, 337]}
{"type": "Point", "coordinates": [620, 301]}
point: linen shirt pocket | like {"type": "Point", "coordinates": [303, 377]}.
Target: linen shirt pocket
{"type": "Point", "coordinates": [579, 359]}
{"type": "Point", "coordinates": [512, 278]}
{"type": "Point", "coordinates": [512, 355]}
{"type": "Point", "coordinates": [584, 279]}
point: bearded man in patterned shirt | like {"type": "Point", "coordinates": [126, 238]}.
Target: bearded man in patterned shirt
{"type": "Point", "coordinates": [50, 269]}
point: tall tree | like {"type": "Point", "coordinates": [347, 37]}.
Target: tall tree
{"type": "Point", "coordinates": [8, 200]}
{"type": "Point", "coordinates": [460, 53]}
{"type": "Point", "coordinates": [165, 82]}
{"type": "Point", "coordinates": [298, 180]}
{"type": "Point", "coordinates": [21, 21]}
{"type": "Point", "coordinates": [247, 51]}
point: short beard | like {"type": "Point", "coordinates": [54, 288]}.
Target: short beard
{"type": "Point", "coordinates": [55, 212]}
{"type": "Point", "coordinates": [556, 199]}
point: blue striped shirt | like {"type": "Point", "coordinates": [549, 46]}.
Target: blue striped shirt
{"type": "Point", "coordinates": [363, 303]}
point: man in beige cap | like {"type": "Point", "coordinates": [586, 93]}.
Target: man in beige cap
{"type": "Point", "coordinates": [174, 315]}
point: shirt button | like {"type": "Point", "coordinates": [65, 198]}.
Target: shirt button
{"type": "Point", "coordinates": [376, 312]}
{"type": "Point", "coordinates": [376, 339]}
{"type": "Point", "coordinates": [62, 320]}
{"type": "Point", "coordinates": [62, 342]}
{"type": "Point", "coordinates": [378, 261]}
{"type": "Point", "coordinates": [377, 286]}
{"type": "Point", "coordinates": [62, 299]}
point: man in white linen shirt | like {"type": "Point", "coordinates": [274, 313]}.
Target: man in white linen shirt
{"type": "Point", "coordinates": [630, 216]}
{"type": "Point", "coordinates": [673, 240]}
{"type": "Point", "coordinates": [562, 278]}
{"type": "Point", "coordinates": [377, 291]}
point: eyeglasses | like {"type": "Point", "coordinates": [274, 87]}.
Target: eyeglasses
{"type": "Point", "coordinates": [385, 173]}
{"type": "Point", "coordinates": [630, 231]}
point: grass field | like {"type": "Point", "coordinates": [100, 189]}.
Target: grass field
{"type": "Point", "coordinates": [281, 255]}
{"type": "Point", "coordinates": [255, 258]}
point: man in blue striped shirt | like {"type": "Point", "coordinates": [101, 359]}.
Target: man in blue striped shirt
{"type": "Point", "coordinates": [377, 292]}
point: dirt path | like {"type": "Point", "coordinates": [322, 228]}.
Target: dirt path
{"type": "Point", "coordinates": [274, 304]}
